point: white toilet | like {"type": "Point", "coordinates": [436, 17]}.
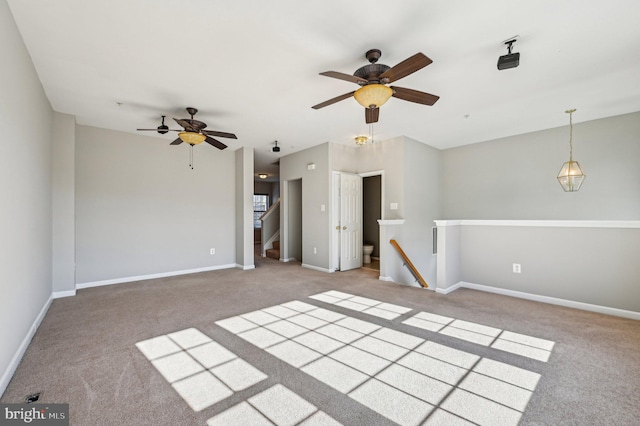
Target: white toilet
{"type": "Point", "coordinates": [367, 249]}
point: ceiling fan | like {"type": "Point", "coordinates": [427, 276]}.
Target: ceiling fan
{"type": "Point", "coordinates": [194, 132]}
{"type": "Point", "coordinates": [373, 79]}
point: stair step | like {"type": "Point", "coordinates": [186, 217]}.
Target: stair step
{"type": "Point", "coordinates": [276, 245]}
{"type": "Point", "coordinates": [273, 253]}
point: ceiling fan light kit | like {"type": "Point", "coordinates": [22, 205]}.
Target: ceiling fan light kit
{"type": "Point", "coordinates": [373, 95]}
{"type": "Point", "coordinates": [361, 140]}
{"type": "Point", "coordinates": [571, 175]}
{"type": "Point", "coordinates": [192, 138]}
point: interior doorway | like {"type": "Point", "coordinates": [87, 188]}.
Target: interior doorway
{"type": "Point", "coordinates": [371, 213]}
{"type": "Point", "coordinates": [373, 203]}
{"type": "Point", "coordinates": [294, 221]}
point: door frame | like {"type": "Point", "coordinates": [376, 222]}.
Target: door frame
{"type": "Point", "coordinates": [335, 213]}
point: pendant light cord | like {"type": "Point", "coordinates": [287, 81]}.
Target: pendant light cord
{"type": "Point", "coordinates": [570, 112]}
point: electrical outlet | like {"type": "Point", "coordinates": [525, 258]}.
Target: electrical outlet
{"type": "Point", "coordinates": [315, 250]}
{"type": "Point", "coordinates": [212, 251]}
{"type": "Point", "coordinates": [517, 268]}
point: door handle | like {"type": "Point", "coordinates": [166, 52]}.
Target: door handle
{"type": "Point", "coordinates": [344, 228]}
{"type": "Point", "coordinates": [338, 228]}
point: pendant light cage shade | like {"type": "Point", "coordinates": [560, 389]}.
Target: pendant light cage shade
{"type": "Point", "coordinates": [373, 95]}
{"type": "Point", "coordinates": [571, 176]}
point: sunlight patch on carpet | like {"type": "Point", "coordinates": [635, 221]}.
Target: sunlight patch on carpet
{"type": "Point", "coordinates": [518, 344]}
{"type": "Point", "coordinates": [403, 377]}
{"type": "Point", "coordinates": [200, 370]}
{"type": "Point", "coordinates": [277, 404]}
{"type": "Point", "coordinates": [361, 304]}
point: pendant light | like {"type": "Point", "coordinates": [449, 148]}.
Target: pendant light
{"type": "Point", "coordinates": [571, 175]}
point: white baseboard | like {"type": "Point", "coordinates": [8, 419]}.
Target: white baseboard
{"type": "Point", "coordinates": [288, 259]}
{"type": "Point", "coordinates": [449, 289]}
{"type": "Point", "coordinates": [17, 357]}
{"type": "Point", "coordinates": [317, 268]}
{"type": "Point", "coordinates": [245, 267]}
{"type": "Point", "coordinates": [61, 294]}
{"type": "Point", "coordinates": [552, 300]}
{"type": "Point", "coordinates": [152, 276]}
{"type": "Point", "coordinates": [389, 279]}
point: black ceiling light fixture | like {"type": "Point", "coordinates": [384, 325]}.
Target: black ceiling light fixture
{"type": "Point", "coordinates": [510, 60]}
{"type": "Point", "coordinates": [276, 148]}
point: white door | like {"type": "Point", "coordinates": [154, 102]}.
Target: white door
{"type": "Point", "coordinates": [350, 221]}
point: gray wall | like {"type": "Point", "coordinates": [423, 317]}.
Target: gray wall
{"type": "Point", "coordinates": [25, 188]}
{"type": "Point", "coordinates": [388, 156]}
{"type": "Point", "coordinates": [598, 266]}
{"type": "Point", "coordinates": [515, 177]}
{"type": "Point", "coordinates": [315, 192]}
{"type": "Point", "coordinates": [422, 205]}
{"type": "Point", "coordinates": [141, 210]}
{"type": "Point", "coordinates": [63, 198]}
{"type": "Point", "coordinates": [244, 208]}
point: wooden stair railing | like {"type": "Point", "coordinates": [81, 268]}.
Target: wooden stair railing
{"type": "Point", "coordinates": [409, 264]}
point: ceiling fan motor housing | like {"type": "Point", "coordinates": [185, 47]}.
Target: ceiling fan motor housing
{"type": "Point", "coordinates": [371, 72]}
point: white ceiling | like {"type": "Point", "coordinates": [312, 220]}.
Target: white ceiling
{"type": "Point", "coordinates": [251, 67]}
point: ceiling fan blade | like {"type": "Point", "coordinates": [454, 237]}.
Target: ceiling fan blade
{"type": "Point", "coordinates": [343, 76]}
{"type": "Point", "coordinates": [219, 134]}
{"type": "Point", "coordinates": [187, 126]}
{"type": "Point", "coordinates": [414, 96]}
{"type": "Point", "coordinates": [334, 100]}
{"type": "Point", "coordinates": [176, 142]}
{"type": "Point", "coordinates": [371, 115]}
{"type": "Point", "coordinates": [406, 67]}
{"type": "Point", "coordinates": [147, 130]}
{"type": "Point", "coordinates": [215, 143]}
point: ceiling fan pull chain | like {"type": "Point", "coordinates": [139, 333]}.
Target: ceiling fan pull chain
{"type": "Point", "coordinates": [191, 156]}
